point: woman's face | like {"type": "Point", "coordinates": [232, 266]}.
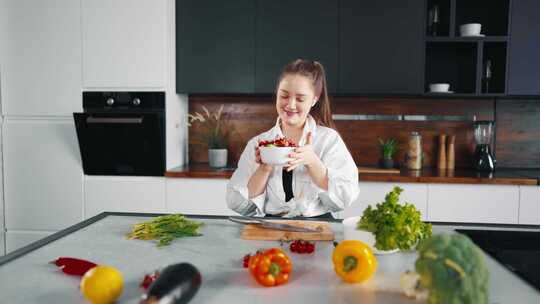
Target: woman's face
{"type": "Point", "coordinates": [295, 97]}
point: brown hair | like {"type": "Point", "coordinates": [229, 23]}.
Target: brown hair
{"type": "Point", "coordinates": [321, 112]}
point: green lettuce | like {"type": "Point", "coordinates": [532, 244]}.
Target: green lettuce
{"type": "Point", "coordinates": [394, 225]}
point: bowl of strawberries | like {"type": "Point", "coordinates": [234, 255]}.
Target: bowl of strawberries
{"type": "Point", "coordinates": [276, 152]}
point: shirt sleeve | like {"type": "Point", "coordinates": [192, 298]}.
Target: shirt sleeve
{"type": "Point", "coordinates": [237, 191]}
{"type": "Point", "coordinates": [342, 176]}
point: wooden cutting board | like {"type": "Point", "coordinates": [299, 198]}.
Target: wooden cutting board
{"type": "Point", "coordinates": [253, 232]}
{"type": "Point", "coordinates": [377, 170]}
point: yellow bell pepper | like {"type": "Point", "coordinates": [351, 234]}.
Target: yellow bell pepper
{"type": "Point", "coordinates": [354, 261]}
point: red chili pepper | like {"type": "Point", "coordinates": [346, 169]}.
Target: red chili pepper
{"type": "Point", "coordinates": [148, 280]}
{"type": "Point", "coordinates": [73, 266]}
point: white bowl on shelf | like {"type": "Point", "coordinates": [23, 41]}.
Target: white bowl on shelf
{"type": "Point", "coordinates": [351, 233]}
{"type": "Point", "coordinates": [470, 29]}
{"type": "Point", "coordinates": [276, 156]}
{"type": "Point", "coordinates": [439, 87]}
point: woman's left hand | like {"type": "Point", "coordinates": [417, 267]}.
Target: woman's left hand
{"type": "Point", "coordinates": [303, 155]}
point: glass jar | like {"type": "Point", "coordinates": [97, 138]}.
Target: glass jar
{"type": "Point", "coordinates": [413, 156]}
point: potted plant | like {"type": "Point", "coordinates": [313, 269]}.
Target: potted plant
{"type": "Point", "coordinates": [388, 150]}
{"type": "Point", "coordinates": [214, 134]}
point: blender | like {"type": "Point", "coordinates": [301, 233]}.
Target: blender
{"type": "Point", "coordinates": [483, 159]}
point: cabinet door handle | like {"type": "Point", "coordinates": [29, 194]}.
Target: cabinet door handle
{"type": "Point", "coordinates": [114, 120]}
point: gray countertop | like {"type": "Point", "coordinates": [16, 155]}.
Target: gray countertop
{"type": "Point", "coordinates": [26, 277]}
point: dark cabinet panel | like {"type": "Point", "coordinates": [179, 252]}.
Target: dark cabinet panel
{"type": "Point", "coordinates": [287, 30]}
{"type": "Point", "coordinates": [524, 62]}
{"type": "Point", "coordinates": [215, 47]}
{"type": "Point", "coordinates": [381, 46]}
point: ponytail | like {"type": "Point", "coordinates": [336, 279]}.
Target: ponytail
{"type": "Point", "coordinates": [321, 111]}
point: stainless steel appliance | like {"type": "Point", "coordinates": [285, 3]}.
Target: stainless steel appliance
{"type": "Point", "coordinates": [122, 133]}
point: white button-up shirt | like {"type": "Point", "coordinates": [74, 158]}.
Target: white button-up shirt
{"type": "Point", "coordinates": [309, 200]}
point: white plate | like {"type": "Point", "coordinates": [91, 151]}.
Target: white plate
{"type": "Point", "coordinates": [479, 35]}
{"type": "Point", "coordinates": [351, 233]}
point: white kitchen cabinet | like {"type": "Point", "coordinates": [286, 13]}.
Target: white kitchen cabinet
{"type": "Point", "coordinates": [124, 194]}
{"type": "Point", "coordinates": [18, 239]}
{"type": "Point", "coordinates": [197, 196]}
{"type": "Point", "coordinates": [473, 203]}
{"type": "Point", "coordinates": [43, 176]}
{"type": "Point", "coordinates": [372, 193]}
{"type": "Point", "coordinates": [529, 205]}
{"type": "Point", "coordinates": [40, 54]}
{"type": "Point", "coordinates": [124, 43]}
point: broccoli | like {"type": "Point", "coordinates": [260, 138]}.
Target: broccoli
{"type": "Point", "coordinates": [453, 270]}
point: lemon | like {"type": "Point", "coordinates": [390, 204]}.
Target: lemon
{"type": "Point", "coordinates": [102, 284]}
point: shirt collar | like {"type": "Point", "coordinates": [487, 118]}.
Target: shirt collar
{"type": "Point", "coordinates": [309, 126]}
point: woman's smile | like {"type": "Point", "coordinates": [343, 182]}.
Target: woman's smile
{"type": "Point", "coordinates": [290, 113]}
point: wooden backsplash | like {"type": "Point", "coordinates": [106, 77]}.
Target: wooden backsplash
{"type": "Point", "coordinates": [518, 133]}
{"type": "Point", "coordinates": [249, 115]}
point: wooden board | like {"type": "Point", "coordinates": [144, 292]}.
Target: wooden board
{"type": "Point", "coordinates": [253, 232]}
{"type": "Point", "coordinates": [377, 170]}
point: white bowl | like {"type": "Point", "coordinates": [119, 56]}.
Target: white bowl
{"type": "Point", "coordinates": [470, 29]}
{"type": "Point", "coordinates": [277, 156]}
{"type": "Point", "coordinates": [439, 87]}
{"type": "Point", "coordinates": [351, 233]}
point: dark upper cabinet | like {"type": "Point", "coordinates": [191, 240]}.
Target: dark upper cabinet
{"type": "Point", "coordinates": [524, 62]}
{"type": "Point", "coordinates": [215, 46]}
{"type": "Point", "coordinates": [287, 30]}
{"type": "Point", "coordinates": [381, 46]}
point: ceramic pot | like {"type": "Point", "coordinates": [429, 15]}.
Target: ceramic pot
{"type": "Point", "coordinates": [217, 158]}
{"type": "Point", "coordinates": [387, 163]}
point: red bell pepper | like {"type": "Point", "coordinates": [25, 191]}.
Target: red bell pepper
{"type": "Point", "coordinates": [73, 266]}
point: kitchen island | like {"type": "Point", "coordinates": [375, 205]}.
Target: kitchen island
{"type": "Point", "coordinates": [26, 276]}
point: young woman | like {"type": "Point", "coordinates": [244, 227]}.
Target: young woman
{"type": "Point", "coordinates": [321, 176]}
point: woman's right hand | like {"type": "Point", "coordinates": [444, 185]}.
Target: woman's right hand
{"type": "Point", "coordinates": [258, 160]}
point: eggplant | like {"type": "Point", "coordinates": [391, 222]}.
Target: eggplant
{"type": "Point", "coordinates": [176, 284]}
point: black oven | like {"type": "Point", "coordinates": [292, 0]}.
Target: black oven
{"type": "Point", "coordinates": [122, 133]}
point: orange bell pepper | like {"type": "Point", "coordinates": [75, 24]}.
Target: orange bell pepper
{"type": "Point", "coordinates": [271, 267]}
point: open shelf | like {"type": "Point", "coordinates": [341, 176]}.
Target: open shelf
{"type": "Point", "coordinates": [462, 61]}
{"type": "Point", "coordinates": [492, 14]}
{"type": "Point", "coordinates": [443, 27]}
{"type": "Point", "coordinates": [495, 53]}
{"type": "Point", "coordinates": [453, 63]}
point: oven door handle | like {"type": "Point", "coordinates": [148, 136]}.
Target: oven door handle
{"type": "Point", "coordinates": [114, 120]}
